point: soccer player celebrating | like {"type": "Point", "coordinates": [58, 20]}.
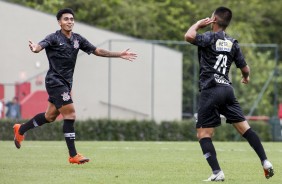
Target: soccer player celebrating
{"type": "Point", "coordinates": [217, 51]}
{"type": "Point", "coordinates": [61, 49]}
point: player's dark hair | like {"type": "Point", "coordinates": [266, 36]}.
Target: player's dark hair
{"type": "Point", "coordinates": [225, 15]}
{"type": "Point", "coordinates": [63, 11]}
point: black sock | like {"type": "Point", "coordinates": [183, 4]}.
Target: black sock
{"type": "Point", "coordinates": [36, 121]}
{"type": "Point", "coordinates": [69, 134]}
{"type": "Point", "coordinates": [255, 143]}
{"type": "Point", "coordinates": [210, 154]}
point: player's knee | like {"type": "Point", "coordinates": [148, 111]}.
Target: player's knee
{"type": "Point", "coordinates": [70, 116]}
{"type": "Point", "coordinates": [204, 134]}
{"type": "Point", "coordinates": [201, 135]}
{"type": "Point", "coordinates": [50, 118]}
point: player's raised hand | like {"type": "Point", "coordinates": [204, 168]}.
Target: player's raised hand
{"type": "Point", "coordinates": [205, 22]}
{"type": "Point", "coordinates": [130, 56]}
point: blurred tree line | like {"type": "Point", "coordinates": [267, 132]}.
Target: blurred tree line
{"type": "Point", "coordinates": [254, 21]}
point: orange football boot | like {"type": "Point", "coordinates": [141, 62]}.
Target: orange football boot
{"type": "Point", "coordinates": [78, 159]}
{"type": "Point", "coordinates": [17, 137]}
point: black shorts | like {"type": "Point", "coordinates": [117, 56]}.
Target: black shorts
{"type": "Point", "coordinates": [59, 95]}
{"type": "Point", "coordinates": [216, 101]}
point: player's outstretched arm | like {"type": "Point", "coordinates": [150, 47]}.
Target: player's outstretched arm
{"type": "Point", "coordinates": [34, 47]}
{"type": "Point", "coordinates": [130, 56]}
{"type": "Point", "coordinates": [192, 31]}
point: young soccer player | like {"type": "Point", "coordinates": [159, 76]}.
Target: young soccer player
{"type": "Point", "coordinates": [61, 49]}
{"type": "Point", "coordinates": [217, 51]}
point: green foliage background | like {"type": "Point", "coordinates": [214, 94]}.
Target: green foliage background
{"type": "Point", "coordinates": [254, 21]}
{"type": "Point", "coordinates": [118, 130]}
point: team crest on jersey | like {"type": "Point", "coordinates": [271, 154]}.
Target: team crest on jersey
{"type": "Point", "coordinates": [223, 45]}
{"type": "Point", "coordinates": [76, 44]}
{"type": "Point", "coordinates": [66, 96]}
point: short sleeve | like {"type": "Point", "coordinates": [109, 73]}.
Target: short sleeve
{"type": "Point", "coordinates": [47, 41]}
{"type": "Point", "coordinates": [203, 40]}
{"type": "Point", "coordinates": [238, 56]}
{"type": "Point", "coordinates": [86, 46]}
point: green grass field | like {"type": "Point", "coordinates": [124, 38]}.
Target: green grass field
{"type": "Point", "coordinates": [132, 163]}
